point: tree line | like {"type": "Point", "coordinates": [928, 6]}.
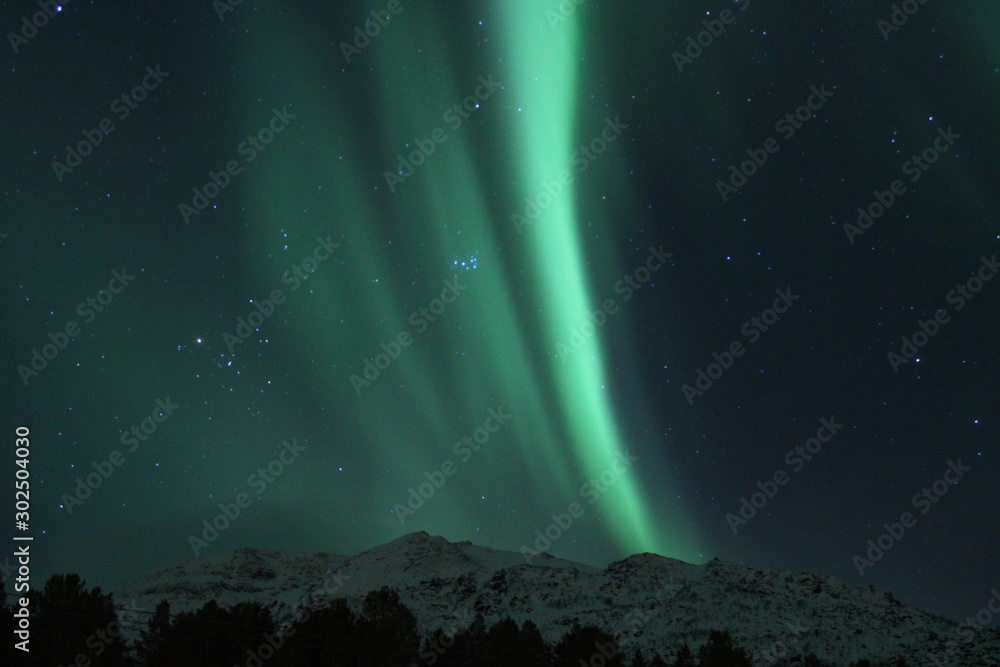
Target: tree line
{"type": "Point", "coordinates": [74, 627]}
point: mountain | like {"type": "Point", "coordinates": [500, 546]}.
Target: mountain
{"type": "Point", "coordinates": [650, 602]}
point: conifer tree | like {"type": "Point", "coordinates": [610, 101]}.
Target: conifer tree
{"type": "Point", "coordinates": [387, 630]}
{"type": "Point", "coordinates": [684, 657]}
{"type": "Point", "coordinates": [720, 651]}
{"type": "Point", "coordinates": [324, 636]}
{"type": "Point", "coordinates": [150, 647]}
{"type": "Point", "coordinates": [69, 621]}
{"type": "Point", "coordinates": [587, 643]}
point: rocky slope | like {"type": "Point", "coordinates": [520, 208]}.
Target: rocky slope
{"type": "Point", "coordinates": [651, 602]}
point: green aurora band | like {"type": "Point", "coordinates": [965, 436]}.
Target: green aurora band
{"type": "Point", "coordinates": [495, 345]}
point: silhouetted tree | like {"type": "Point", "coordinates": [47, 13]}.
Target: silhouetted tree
{"type": "Point", "coordinates": [584, 643]}
{"type": "Point", "coordinates": [74, 626]}
{"type": "Point", "coordinates": [150, 647]}
{"type": "Point", "coordinates": [455, 647]}
{"type": "Point", "coordinates": [534, 649]}
{"type": "Point", "coordinates": [387, 630]}
{"type": "Point", "coordinates": [476, 632]}
{"type": "Point", "coordinates": [68, 621]}
{"type": "Point", "coordinates": [507, 644]}
{"type": "Point", "coordinates": [500, 644]}
{"type": "Point", "coordinates": [322, 637]}
{"type": "Point", "coordinates": [685, 658]}
{"type": "Point", "coordinates": [252, 630]}
{"type": "Point", "coordinates": [213, 636]}
{"type": "Point", "coordinates": [445, 649]}
{"type": "Point", "coordinates": [812, 661]}
{"type": "Point", "coordinates": [719, 651]}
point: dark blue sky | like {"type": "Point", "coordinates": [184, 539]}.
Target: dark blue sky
{"type": "Point", "coordinates": [745, 151]}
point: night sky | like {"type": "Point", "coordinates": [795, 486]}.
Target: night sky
{"type": "Point", "coordinates": [525, 261]}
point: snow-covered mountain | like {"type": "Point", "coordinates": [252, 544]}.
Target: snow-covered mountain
{"type": "Point", "coordinates": [650, 602]}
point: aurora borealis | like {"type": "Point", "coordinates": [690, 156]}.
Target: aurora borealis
{"type": "Point", "coordinates": [452, 266]}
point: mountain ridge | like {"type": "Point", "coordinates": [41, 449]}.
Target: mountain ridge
{"type": "Point", "coordinates": [650, 602]}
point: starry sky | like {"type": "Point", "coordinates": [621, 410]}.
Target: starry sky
{"type": "Point", "coordinates": [485, 269]}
